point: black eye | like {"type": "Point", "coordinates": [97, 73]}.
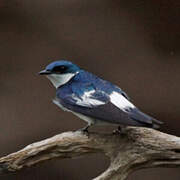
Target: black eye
{"type": "Point", "coordinates": [59, 69]}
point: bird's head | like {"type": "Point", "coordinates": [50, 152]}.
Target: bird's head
{"type": "Point", "coordinates": [60, 72]}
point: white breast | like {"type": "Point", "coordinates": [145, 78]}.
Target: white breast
{"type": "Point", "coordinates": [81, 116]}
{"type": "Point", "coordinates": [55, 101]}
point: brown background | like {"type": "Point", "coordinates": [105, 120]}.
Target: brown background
{"type": "Point", "coordinates": [134, 44]}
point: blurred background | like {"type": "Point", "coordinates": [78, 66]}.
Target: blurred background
{"type": "Point", "coordinates": [135, 44]}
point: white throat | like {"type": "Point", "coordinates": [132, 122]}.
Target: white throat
{"type": "Point", "coordinates": [60, 79]}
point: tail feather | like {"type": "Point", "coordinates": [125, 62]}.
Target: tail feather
{"type": "Point", "coordinates": [156, 123]}
{"type": "Point", "coordinates": [144, 119]}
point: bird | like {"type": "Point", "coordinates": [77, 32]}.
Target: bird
{"type": "Point", "coordinates": [93, 99]}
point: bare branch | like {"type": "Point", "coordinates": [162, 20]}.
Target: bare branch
{"type": "Point", "coordinates": [138, 148]}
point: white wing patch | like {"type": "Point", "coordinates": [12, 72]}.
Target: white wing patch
{"type": "Point", "coordinates": [88, 100]}
{"type": "Point", "coordinates": [120, 101]}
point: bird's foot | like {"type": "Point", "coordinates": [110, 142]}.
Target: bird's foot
{"type": "Point", "coordinates": [84, 130]}
{"type": "Point", "coordinates": [120, 130]}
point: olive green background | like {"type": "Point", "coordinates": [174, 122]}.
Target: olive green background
{"type": "Point", "coordinates": [134, 44]}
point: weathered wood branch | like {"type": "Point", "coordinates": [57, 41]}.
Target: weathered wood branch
{"type": "Point", "coordinates": [137, 148]}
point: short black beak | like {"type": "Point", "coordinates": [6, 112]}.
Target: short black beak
{"type": "Point", "coordinates": [44, 72]}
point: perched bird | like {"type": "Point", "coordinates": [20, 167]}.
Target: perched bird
{"type": "Point", "coordinates": [93, 99]}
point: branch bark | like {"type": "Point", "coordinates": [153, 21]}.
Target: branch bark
{"type": "Point", "coordinates": [137, 148]}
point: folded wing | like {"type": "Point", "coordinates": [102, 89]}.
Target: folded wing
{"type": "Point", "coordinates": [112, 107]}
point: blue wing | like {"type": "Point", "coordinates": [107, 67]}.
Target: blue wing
{"type": "Point", "coordinates": [92, 96]}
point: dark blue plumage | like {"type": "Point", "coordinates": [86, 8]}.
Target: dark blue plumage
{"type": "Point", "coordinates": [69, 94]}
{"type": "Point", "coordinates": [93, 99]}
